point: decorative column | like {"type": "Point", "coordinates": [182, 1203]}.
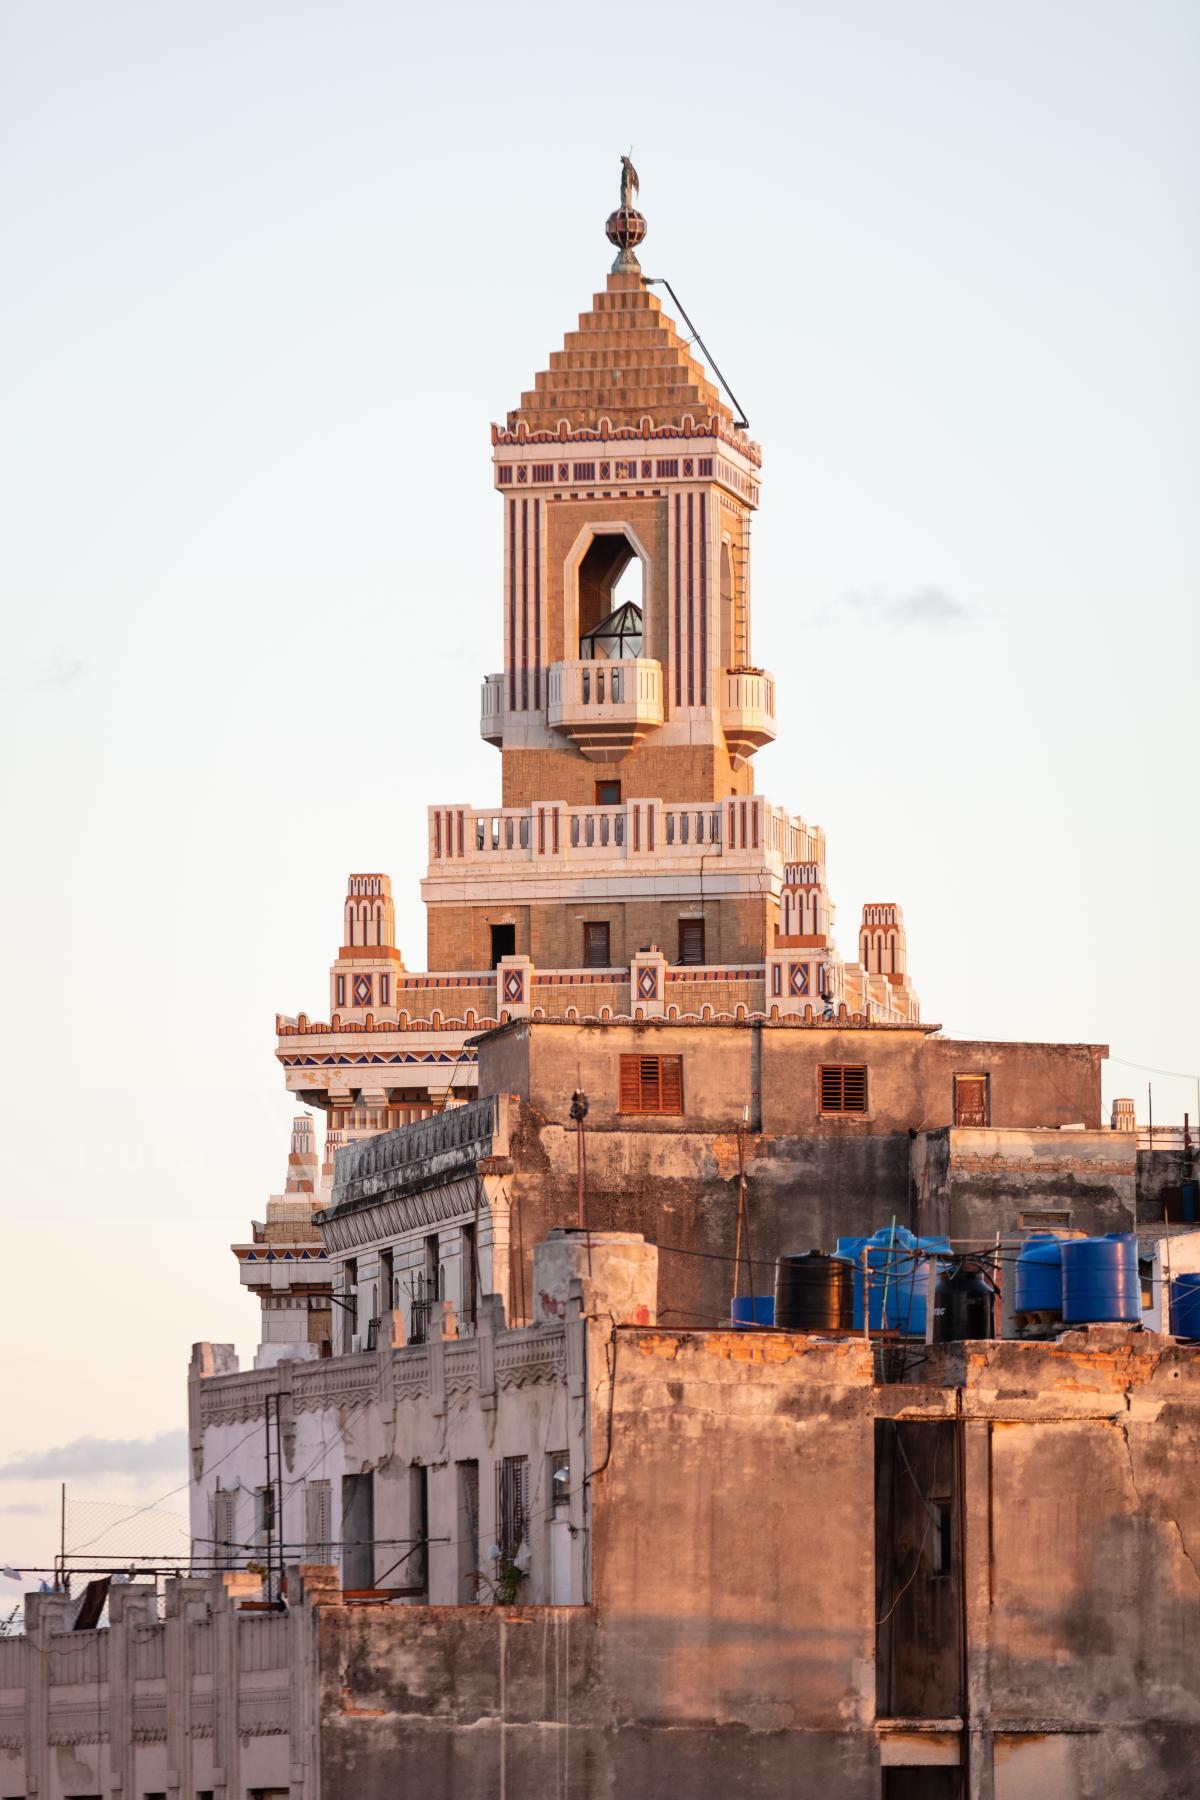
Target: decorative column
{"type": "Point", "coordinates": [648, 984]}
{"type": "Point", "coordinates": [514, 986]}
{"type": "Point", "coordinates": [44, 1615]}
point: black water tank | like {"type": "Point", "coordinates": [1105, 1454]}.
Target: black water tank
{"type": "Point", "coordinates": [814, 1292]}
{"type": "Point", "coordinates": [962, 1304]}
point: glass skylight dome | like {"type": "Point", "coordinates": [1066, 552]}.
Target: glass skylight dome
{"type": "Point", "coordinates": [616, 637]}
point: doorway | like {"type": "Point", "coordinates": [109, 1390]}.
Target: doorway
{"type": "Point", "coordinates": [504, 942]}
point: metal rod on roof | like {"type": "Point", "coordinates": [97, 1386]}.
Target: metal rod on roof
{"type": "Point", "coordinates": [741, 422]}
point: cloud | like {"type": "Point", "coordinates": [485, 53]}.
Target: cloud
{"type": "Point", "coordinates": [24, 1506]}
{"type": "Point", "coordinates": [100, 1456]}
{"type": "Point", "coordinates": [928, 605]}
{"type": "Point", "coordinates": [62, 671]}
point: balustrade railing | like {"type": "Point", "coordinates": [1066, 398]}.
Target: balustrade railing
{"type": "Point", "coordinates": [742, 827]}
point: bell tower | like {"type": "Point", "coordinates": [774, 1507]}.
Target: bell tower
{"type": "Point", "coordinates": [623, 458]}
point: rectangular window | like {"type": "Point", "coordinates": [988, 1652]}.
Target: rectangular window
{"type": "Point", "coordinates": [224, 1528]}
{"type": "Point", "coordinates": [385, 990]}
{"type": "Point", "coordinates": [691, 940]}
{"type": "Point", "coordinates": [504, 942]}
{"type": "Point", "coordinates": [358, 1531]}
{"type": "Point", "coordinates": [844, 1087]}
{"type": "Point", "coordinates": [318, 1521]}
{"type": "Point", "coordinates": [666, 466]}
{"type": "Point", "coordinates": [512, 1507]}
{"type": "Point", "coordinates": [416, 1569]}
{"type": "Point", "coordinates": [470, 1274]}
{"type": "Point", "coordinates": [584, 472]}
{"type": "Point", "coordinates": [266, 1510]}
{"type": "Point", "coordinates": [505, 473]}
{"type": "Point", "coordinates": [608, 793]}
{"type": "Point", "coordinates": [595, 945]}
{"type": "Point", "coordinates": [971, 1100]}
{"type": "Point", "coordinates": [543, 471]}
{"type": "Point", "coordinates": [341, 990]}
{"type": "Point", "coordinates": [651, 1084]}
{"type": "Point", "coordinates": [466, 1535]}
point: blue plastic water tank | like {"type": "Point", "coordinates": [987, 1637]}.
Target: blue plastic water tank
{"type": "Point", "coordinates": [897, 1269]}
{"type": "Point", "coordinates": [1100, 1280]}
{"type": "Point", "coordinates": [749, 1310]}
{"type": "Point", "coordinates": [1185, 1306]}
{"type": "Point", "coordinates": [1038, 1285]}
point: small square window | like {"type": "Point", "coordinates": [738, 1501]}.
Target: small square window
{"type": "Point", "coordinates": [843, 1087]}
{"type": "Point", "coordinates": [651, 1084]}
{"type": "Point", "coordinates": [608, 793]}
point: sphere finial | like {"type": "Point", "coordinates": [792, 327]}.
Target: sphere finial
{"type": "Point", "coordinates": [626, 227]}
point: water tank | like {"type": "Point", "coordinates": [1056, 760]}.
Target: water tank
{"type": "Point", "coordinates": [1100, 1280]}
{"type": "Point", "coordinates": [748, 1310]}
{"type": "Point", "coordinates": [1038, 1284]}
{"type": "Point", "coordinates": [962, 1304]}
{"type": "Point", "coordinates": [1185, 1306]}
{"type": "Point", "coordinates": [814, 1292]}
{"type": "Point", "coordinates": [897, 1272]}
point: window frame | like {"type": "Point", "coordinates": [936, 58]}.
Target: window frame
{"type": "Point", "coordinates": [972, 1076]}
{"type": "Point", "coordinates": [842, 1110]}
{"type": "Point", "coordinates": [591, 926]}
{"type": "Point", "coordinates": [659, 1093]}
{"type": "Point", "coordinates": [693, 928]}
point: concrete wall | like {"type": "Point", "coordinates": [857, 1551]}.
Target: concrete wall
{"type": "Point", "coordinates": [772, 1069]}
{"type": "Point", "coordinates": [729, 1649]}
{"type": "Point", "coordinates": [211, 1699]}
{"type": "Point", "coordinates": [809, 1178]}
{"type": "Point", "coordinates": [730, 1645]}
{"type": "Point", "coordinates": [973, 1182]}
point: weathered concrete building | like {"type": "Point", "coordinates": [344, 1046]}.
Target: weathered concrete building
{"type": "Point", "coordinates": [795, 1565]}
{"type": "Point", "coordinates": [525, 1514]}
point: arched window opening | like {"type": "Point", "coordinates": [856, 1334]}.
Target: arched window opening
{"type": "Point", "coordinates": [610, 600]}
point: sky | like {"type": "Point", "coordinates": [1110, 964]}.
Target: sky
{"type": "Point", "coordinates": [271, 270]}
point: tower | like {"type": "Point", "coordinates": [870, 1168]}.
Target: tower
{"type": "Point", "coordinates": [626, 718]}
{"type": "Point", "coordinates": [286, 1265]}
{"type": "Point", "coordinates": [629, 868]}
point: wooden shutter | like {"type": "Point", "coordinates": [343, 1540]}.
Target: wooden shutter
{"type": "Point", "coordinates": [224, 1527]}
{"type": "Point", "coordinates": [844, 1087]}
{"type": "Point", "coordinates": [651, 1084]}
{"type": "Point", "coordinates": [595, 945]}
{"type": "Point", "coordinates": [691, 940]}
{"type": "Point", "coordinates": [970, 1099]}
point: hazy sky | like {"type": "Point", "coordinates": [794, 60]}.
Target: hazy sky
{"type": "Point", "coordinates": [270, 271]}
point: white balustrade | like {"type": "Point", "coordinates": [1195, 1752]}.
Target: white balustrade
{"type": "Point", "coordinates": [747, 830]}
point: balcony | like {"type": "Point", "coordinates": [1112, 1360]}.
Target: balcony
{"type": "Point", "coordinates": [747, 710]}
{"type": "Point", "coordinates": [606, 707]}
{"type": "Point", "coordinates": [491, 710]}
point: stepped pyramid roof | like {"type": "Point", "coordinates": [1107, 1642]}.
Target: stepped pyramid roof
{"type": "Point", "coordinates": [625, 362]}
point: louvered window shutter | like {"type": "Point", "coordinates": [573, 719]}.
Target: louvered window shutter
{"type": "Point", "coordinates": [843, 1087]}
{"type": "Point", "coordinates": [671, 1068]}
{"type": "Point", "coordinates": [317, 1530]}
{"type": "Point", "coordinates": [224, 1526]}
{"type": "Point", "coordinates": [631, 1089]}
{"type": "Point", "coordinates": [651, 1084]}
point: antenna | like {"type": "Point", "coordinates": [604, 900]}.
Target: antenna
{"type": "Point", "coordinates": [741, 422]}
